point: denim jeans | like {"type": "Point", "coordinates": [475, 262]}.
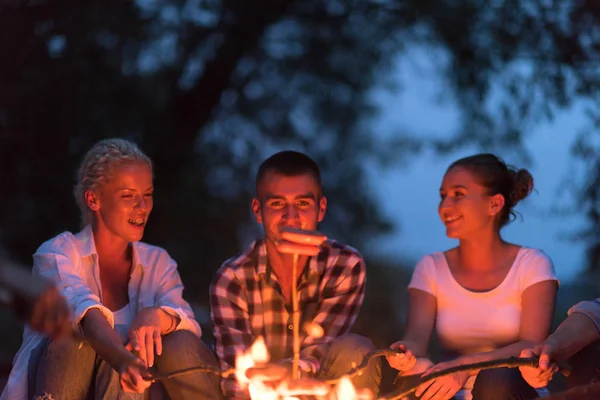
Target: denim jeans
{"type": "Point", "coordinates": [64, 371]}
{"type": "Point", "coordinates": [346, 352]}
{"type": "Point", "coordinates": [502, 384]}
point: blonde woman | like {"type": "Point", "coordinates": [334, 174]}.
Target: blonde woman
{"type": "Point", "coordinates": [125, 296]}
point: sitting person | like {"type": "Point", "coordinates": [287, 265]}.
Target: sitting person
{"type": "Point", "coordinates": [487, 298]}
{"type": "Point", "coordinates": [125, 297]}
{"type": "Point", "coordinates": [251, 294]}
{"type": "Point", "coordinates": [575, 340]}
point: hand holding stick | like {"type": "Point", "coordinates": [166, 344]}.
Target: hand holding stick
{"type": "Point", "coordinates": [306, 243]}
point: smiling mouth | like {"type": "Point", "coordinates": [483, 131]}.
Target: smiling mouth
{"type": "Point", "coordinates": [451, 220]}
{"type": "Point", "coordinates": [137, 222]}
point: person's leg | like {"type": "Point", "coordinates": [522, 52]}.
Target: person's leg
{"type": "Point", "coordinates": [182, 349]}
{"type": "Point", "coordinates": [348, 351]}
{"type": "Point", "coordinates": [61, 369]}
{"type": "Point", "coordinates": [502, 384]}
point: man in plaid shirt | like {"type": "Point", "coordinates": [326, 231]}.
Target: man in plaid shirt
{"type": "Point", "coordinates": [251, 293]}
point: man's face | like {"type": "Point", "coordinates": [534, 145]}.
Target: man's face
{"type": "Point", "coordinates": [293, 201]}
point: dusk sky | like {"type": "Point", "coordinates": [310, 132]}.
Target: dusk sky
{"type": "Point", "coordinates": [409, 192]}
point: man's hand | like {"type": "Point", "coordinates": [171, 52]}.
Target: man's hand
{"type": "Point", "coordinates": [301, 242]}
{"type": "Point", "coordinates": [145, 335]}
{"type": "Point", "coordinates": [540, 376]}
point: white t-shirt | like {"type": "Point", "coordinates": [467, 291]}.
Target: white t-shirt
{"type": "Point", "coordinates": [470, 322]}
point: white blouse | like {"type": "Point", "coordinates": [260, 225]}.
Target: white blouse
{"type": "Point", "coordinates": [71, 262]}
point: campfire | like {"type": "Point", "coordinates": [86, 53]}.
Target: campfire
{"type": "Point", "coordinates": [266, 381]}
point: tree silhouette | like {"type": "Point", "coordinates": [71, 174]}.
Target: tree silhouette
{"type": "Point", "coordinates": [209, 88]}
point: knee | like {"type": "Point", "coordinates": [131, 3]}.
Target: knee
{"type": "Point", "coordinates": [67, 351]}
{"type": "Point", "coordinates": [351, 344]}
{"type": "Point", "coordinates": [185, 348]}
{"type": "Point", "coordinates": [351, 350]}
{"type": "Point", "coordinates": [499, 383]}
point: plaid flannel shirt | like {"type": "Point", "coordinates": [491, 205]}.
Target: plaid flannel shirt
{"type": "Point", "coordinates": [247, 302]}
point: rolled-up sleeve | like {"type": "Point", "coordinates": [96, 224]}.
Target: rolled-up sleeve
{"type": "Point", "coordinates": [589, 308]}
{"type": "Point", "coordinates": [169, 296]}
{"type": "Point", "coordinates": [60, 263]}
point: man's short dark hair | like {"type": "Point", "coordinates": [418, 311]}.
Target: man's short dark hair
{"type": "Point", "coordinates": [289, 163]}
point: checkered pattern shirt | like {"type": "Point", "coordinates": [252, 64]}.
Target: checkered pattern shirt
{"type": "Point", "coordinates": [247, 302]}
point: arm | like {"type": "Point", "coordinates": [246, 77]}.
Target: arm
{"type": "Point", "coordinates": [167, 313]}
{"type": "Point", "coordinates": [35, 299]}
{"type": "Point", "coordinates": [573, 334]}
{"type": "Point", "coordinates": [107, 343]}
{"type": "Point", "coordinates": [59, 264]}
{"type": "Point", "coordinates": [59, 261]}
{"type": "Point", "coordinates": [576, 332]}
{"type": "Point", "coordinates": [580, 329]}
{"type": "Point", "coordinates": [536, 318]}
{"type": "Point", "coordinates": [421, 319]}
{"type": "Point", "coordinates": [104, 340]}
{"type": "Point", "coordinates": [231, 322]}
{"type": "Point", "coordinates": [422, 312]}
{"type": "Point", "coordinates": [178, 314]}
{"type": "Point", "coordinates": [338, 309]}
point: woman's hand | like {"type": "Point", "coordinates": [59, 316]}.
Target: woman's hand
{"type": "Point", "coordinates": [445, 387]}
{"type": "Point", "coordinates": [132, 372]}
{"type": "Point", "coordinates": [145, 335]}
{"type": "Point", "coordinates": [404, 361]}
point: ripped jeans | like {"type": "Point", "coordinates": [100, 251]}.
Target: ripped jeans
{"type": "Point", "coordinates": [60, 370]}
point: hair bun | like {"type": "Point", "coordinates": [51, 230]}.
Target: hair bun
{"type": "Point", "coordinates": [522, 185]}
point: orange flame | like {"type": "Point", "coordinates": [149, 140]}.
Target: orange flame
{"type": "Point", "coordinates": [345, 391]}
{"type": "Point", "coordinates": [258, 355]}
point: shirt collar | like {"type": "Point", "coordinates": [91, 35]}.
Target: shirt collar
{"type": "Point", "coordinates": [87, 247]}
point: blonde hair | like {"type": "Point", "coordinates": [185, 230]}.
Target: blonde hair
{"type": "Point", "coordinates": [98, 165]}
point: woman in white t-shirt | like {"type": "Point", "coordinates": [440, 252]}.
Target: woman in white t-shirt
{"type": "Point", "coordinates": [487, 298]}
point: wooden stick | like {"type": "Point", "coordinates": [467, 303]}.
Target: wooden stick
{"type": "Point", "coordinates": [295, 318]}
{"type": "Point", "coordinates": [414, 381]}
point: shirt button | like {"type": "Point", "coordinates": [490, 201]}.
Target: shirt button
{"type": "Point", "coordinates": [290, 327]}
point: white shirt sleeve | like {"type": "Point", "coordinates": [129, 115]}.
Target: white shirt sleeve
{"type": "Point", "coordinates": [169, 296]}
{"type": "Point", "coordinates": [423, 277]}
{"type": "Point", "coordinates": [536, 267]}
{"type": "Point", "coordinates": [59, 261]}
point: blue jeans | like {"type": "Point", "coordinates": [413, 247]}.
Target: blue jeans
{"type": "Point", "coordinates": [348, 351]}
{"type": "Point", "coordinates": [66, 372]}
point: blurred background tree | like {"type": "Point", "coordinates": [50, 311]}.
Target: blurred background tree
{"type": "Point", "coordinates": [209, 88]}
